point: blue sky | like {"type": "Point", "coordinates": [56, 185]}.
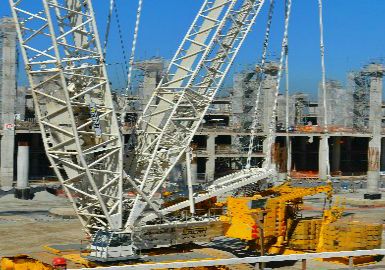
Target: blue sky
{"type": "Point", "coordinates": [354, 35]}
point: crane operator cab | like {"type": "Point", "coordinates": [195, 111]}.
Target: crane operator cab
{"type": "Point", "coordinates": [111, 246]}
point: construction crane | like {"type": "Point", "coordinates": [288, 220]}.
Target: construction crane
{"type": "Point", "coordinates": [66, 69]}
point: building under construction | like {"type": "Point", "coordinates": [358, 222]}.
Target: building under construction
{"type": "Point", "coordinates": [221, 143]}
{"type": "Point", "coordinates": [177, 170]}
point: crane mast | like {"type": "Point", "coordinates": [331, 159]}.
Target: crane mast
{"type": "Point", "coordinates": [179, 103]}
{"type": "Point", "coordinates": [66, 71]}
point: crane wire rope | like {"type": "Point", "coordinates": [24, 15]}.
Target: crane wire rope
{"type": "Point", "coordinates": [120, 33]}
{"type": "Point", "coordinates": [287, 87]}
{"type": "Point", "coordinates": [324, 103]}
{"type": "Point", "coordinates": [131, 61]}
{"type": "Point", "coordinates": [272, 127]}
{"type": "Point", "coordinates": [133, 47]}
{"type": "Point", "coordinates": [253, 128]}
{"type": "Point", "coordinates": [108, 27]}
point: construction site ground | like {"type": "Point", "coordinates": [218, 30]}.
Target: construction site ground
{"type": "Point", "coordinates": [27, 226]}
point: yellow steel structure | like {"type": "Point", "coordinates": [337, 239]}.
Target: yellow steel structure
{"type": "Point", "coordinates": [265, 219]}
{"type": "Point", "coordinates": [351, 235]}
{"type": "Point", "coordinates": [271, 222]}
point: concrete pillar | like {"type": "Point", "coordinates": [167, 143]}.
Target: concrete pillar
{"type": "Point", "coordinates": [190, 182]}
{"type": "Point", "coordinates": [210, 163]}
{"type": "Point", "coordinates": [153, 70]}
{"type": "Point", "coordinates": [289, 155]}
{"type": "Point", "coordinates": [275, 177]}
{"type": "Point", "coordinates": [194, 171]}
{"type": "Point", "coordinates": [268, 91]}
{"type": "Point", "coordinates": [22, 190]}
{"type": "Point", "coordinates": [7, 158]}
{"type": "Point", "coordinates": [265, 149]}
{"type": "Point", "coordinates": [323, 158]}
{"type": "Point", "coordinates": [374, 164]}
{"type": "Point", "coordinates": [375, 71]}
{"type": "Point", "coordinates": [22, 165]}
{"type": "Point", "coordinates": [8, 98]}
{"type": "Point", "coordinates": [336, 155]}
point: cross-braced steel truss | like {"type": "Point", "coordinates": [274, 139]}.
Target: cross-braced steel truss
{"type": "Point", "coordinates": [60, 46]}
{"type": "Point", "coordinates": [179, 103]}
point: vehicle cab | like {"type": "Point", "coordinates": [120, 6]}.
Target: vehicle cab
{"type": "Point", "coordinates": [111, 246]}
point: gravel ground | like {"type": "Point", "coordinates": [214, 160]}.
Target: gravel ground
{"type": "Point", "coordinates": [27, 226]}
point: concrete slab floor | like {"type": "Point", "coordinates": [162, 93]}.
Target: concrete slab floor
{"type": "Point", "coordinates": [27, 226]}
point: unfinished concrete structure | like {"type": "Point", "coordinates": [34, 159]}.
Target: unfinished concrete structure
{"type": "Point", "coordinates": [220, 144]}
{"type": "Point", "coordinates": [245, 93]}
{"type": "Point", "coordinates": [7, 97]}
{"type": "Point", "coordinates": [339, 102]}
{"type": "Point", "coordinates": [375, 73]}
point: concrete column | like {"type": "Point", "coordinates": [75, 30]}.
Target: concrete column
{"type": "Point", "coordinates": [7, 158]}
{"type": "Point", "coordinates": [268, 91]}
{"type": "Point", "coordinates": [8, 97]}
{"type": "Point", "coordinates": [289, 155]}
{"type": "Point", "coordinates": [336, 155]}
{"type": "Point", "coordinates": [190, 182]}
{"type": "Point", "coordinates": [22, 190]}
{"type": "Point", "coordinates": [322, 157]}
{"type": "Point", "coordinates": [265, 149]}
{"type": "Point", "coordinates": [210, 163]}
{"type": "Point", "coordinates": [375, 71]}
{"type": "Point", "coordinates": [22, 165]}
{"type": "Point", "coordinates": [194, 171]}
{"type": "Point", "coordinates": [275, 177]}
{"type": "Point", "coordinates": [153, 70]}
{"type": "Point", "coordinates": [374, 164]}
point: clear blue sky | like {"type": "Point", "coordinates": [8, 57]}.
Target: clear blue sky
{"type": "Point", "coordinates": [354, 35]}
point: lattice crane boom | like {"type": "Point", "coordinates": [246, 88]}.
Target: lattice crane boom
{"type": "Point", "coordinates": [66, 71]}
{"type": "Point", "coordinates": [178, 105]}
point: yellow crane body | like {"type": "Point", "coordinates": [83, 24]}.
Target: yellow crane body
{"type": "Point", "coordinates": [271, 221]}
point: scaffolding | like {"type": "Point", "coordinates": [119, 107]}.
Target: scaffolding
{"type": "Point", "coordinates": [359, 83]}
{"type": "Point", "coordinates": [339, 106]}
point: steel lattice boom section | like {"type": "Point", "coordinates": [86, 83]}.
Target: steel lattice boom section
{"type": "Point", "coordinates": [65, 66]}
{"type": "Point", "coordinates": [179, 103]}
{"type": "Point", "coordinates": [222, 185]}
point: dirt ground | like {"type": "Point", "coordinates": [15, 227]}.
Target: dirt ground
{"type": "Point", "coordinates": [27, 226]}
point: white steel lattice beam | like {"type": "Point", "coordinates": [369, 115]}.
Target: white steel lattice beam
{"type": "Point", "coordinates": [65, 66]}
{"type": "Point", "coordinates": [182, 98]}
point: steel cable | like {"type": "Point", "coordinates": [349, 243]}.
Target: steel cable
{"type": "Point", "coordinates": [272, 127]}
{"type": "Point", "coordinates": [322, 51]}
{"type": "Point", "coordinates": [263, 62]}
{"type": "Point", "coordinates": [107, 35]}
